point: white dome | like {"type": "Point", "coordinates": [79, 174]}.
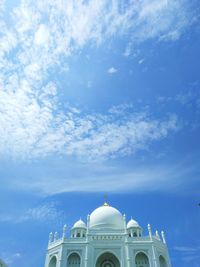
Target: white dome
{"type": "Point", "coordinates": [132, 223]}
{"type": "Point", "coordinates": [106, 217]}
{"type": "Point", "coordinates": [79, 224]}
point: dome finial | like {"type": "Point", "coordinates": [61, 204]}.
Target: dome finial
{"type": "Point", "coordinates": [105, 201]}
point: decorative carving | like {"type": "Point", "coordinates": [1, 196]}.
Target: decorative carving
{"type": "Point", "coordinates": [106, 237]}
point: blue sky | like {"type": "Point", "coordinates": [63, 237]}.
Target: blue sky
{"type": "Point", "coordinates": [99, 97]}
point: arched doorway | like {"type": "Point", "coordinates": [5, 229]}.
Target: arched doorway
{"type": "Point", "coordinates": [74, 260]}
{"type": "Point", "coordinates": [53, 262]}
{"type": "Point", "coordinates": [162, 261]}
{"type": "Point", "coordinates": [141, 260]}
{"type": "Point", "coordinates": [107, 260]}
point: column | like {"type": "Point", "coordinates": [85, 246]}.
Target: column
{"type": "Point", "coordinates": [152, 246]}
{"type": "Point", "coordinates": [137, 232]}
{"type": "Point", "coordinates": [126, 242]}
{"type": "Point", "coordinates": [60, 257]}
{"type": "Point", "coordinates": [86, 255]}
{"type": "Point", "coordinates": [127, 254]}
{"type": "Point", "coordinates": [86, 246]}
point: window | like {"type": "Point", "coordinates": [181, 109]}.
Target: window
{"type": "Point", "coordinates": [141, 260]}
{"type": "Point", "coordinates": [73, 260]}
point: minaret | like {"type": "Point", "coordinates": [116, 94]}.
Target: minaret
{"type": "Point", "coordinates": [153, 249]}
{"type": "Point", "coordinates": [50, 237]}
{"type": "Point", "coordinates": [64, 231]}
{"type": "Point", "coordinates": [163, 237]}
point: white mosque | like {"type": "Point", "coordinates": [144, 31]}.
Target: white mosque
{"type": "Point", "coordinates": [107, 241]}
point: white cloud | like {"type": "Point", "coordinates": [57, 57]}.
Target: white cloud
{"type": "Point", "coordinates": [112, 70]}
{"type": "Point", "coordinates": [39, 35]}
{"type": "Point", "coordinates": [127, 51]}
{"type": "Point", "coordinates": [44, 213]}
{"type": "Point", "coordinates": [163, 19]}
{"type": "Point", "coordinates": [141, 61]}
{"type": "Point", "coordinates": [189, 98]}
{"type": "Point", "coordinates": [42, 35]}
{"type": "Point", "coordinates": [31, 129]}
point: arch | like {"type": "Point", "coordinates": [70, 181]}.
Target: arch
{"type": "Point", "coordinates": [141, 260]}
{"type": "Point", "coordinates": [107, 259]}
{"type": "Point", "coordinates": [74, 260]}
{"type": "Point", "coordinates": [53, 262]}
{"type": "Point", "coordinates": [74, 252]}
{"type": "Point", "coordinates": [162, 261]}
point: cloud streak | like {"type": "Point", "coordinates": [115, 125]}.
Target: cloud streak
{"type": "Point", "coordinates": [189, 254]}
{"type": "Point", "coordinates": [98, 177]}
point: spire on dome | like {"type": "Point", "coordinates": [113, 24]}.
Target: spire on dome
{"type": "Point", "coordinates": [106, 201]}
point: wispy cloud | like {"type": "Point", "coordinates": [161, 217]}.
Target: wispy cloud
{"type": "Point", "coordinates": [42, 213]}
{"type": "Point", "coordinates": [47, 213]}
{"type": "Point", "coordinates": [39, 36]}
{"type": "Point", "coordinates": [189, 254]}
{"type": "Point", "coordinates": [35, 131]}
{"type": "Point", "coordinates": [187, 249]}
{"type": "Point", "coordinates": [188, 98]}
{"type": "Point", "coordinates": [98, 176]}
